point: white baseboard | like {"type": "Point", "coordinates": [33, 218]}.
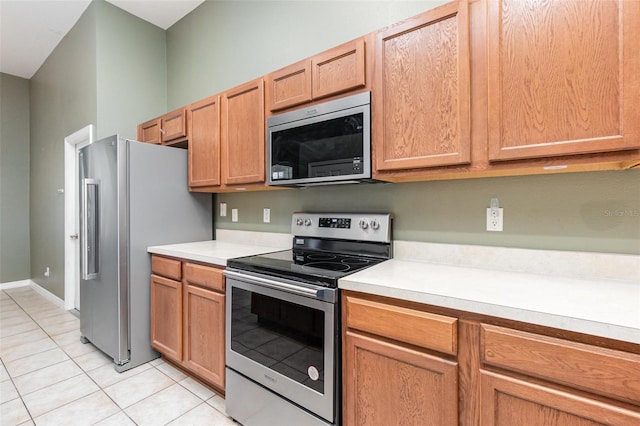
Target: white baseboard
{"type": "Point", "coordinates": [42, 291]}
{"type": "Point", "coordinates": [48, 295]}
{"type": "Point", "coordinates": [15, 284]}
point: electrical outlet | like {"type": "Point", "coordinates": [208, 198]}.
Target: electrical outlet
{"type": "Point", "coordinates": [494, 219]}
{"type": "Point", "coordinates": [234, 215]}
{"type": "Point", "coordinates": [266, 215]}
{"type": "Point", "coordinates": [223, 209]}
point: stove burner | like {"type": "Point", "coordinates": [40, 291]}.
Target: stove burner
{"type": "Point", "coordinates": [321, 256]}
{"type": "Point", "coordinates": [331, 266]}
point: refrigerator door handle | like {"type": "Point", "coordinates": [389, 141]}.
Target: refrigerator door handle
{"type": "Point", "coordinates": [90, 229]}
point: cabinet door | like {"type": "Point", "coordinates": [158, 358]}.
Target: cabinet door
{"type": "Point", "coordinates": [421, 92]}
{"type": "Point", "coordinates": [508, 401]}
{"type": "Point", "coordinates": [166, 316]}
{"type": "Point", "coordinates": [563, 77]}
{"type": "Point", "coordinates": [204, 319]}
{"type": "Point", "coordinates": [389, 384]}
{"type": "Point", "coordinates": [243, 134]}
{"type": "Point", "coordinates": [150, 131]}
{"type": "Point", "coordinates": [174, 125]}
{"type": "Point", "coordinates": [204, 142]}
{"type": "Point", "coordinates": [289, 86]}
{"type": "Point", "coordinates": [339, 69]}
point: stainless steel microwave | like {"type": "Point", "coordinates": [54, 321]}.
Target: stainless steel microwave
{"type": "Point", "coordinates": [324, 144]}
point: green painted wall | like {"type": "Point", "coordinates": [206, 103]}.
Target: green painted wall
{"type": "Point", "coordinates": [14, 179]}
{"type": "Point", "coordinates": [63, 100]}
{"type": "Point", "coordinates": [131, 74]}
{"type": "Point", "coordinates": [578, 211]}
{"type": "Point", "coordinates": [108, 71]}
{"type": "Point", "coordinates": [224, 43]}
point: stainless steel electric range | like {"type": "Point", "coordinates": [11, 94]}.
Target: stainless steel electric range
{"type": "Point", "coordinates": [283, 319]}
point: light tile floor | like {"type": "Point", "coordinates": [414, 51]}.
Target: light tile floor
{"type": "Point", "coordinates": [47, 377]}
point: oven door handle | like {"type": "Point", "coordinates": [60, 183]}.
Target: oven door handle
{"type": "Point", "coordinates": [278, 285]}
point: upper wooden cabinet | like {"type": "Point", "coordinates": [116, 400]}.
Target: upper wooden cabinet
{"type": "Point", "coordinates": [170, 129]}
{"type": "Point", "coordinates": [563, 77]}
{"type": "Point", "coordinates": [332, 72]}
{"type": "Point", "coordinates": [150, 131]}
{"type": "Point", "coordinates": [243, 134]}
{"type": "Point", "coordinates": [174, 126]}
{"type": "Point", "coordinates": [204, 143]}
{"type": "Point", "coordinates": [421, 91]}
{"type": "Point", "coordinates": [227, 139]}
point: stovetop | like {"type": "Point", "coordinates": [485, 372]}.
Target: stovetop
{"type": "Point", "coordinates": [326, 247]}
{"type": "Point", "coordinates": [313, 267]}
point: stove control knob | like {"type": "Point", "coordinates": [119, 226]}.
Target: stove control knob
{"type": "Point", "coordinates": [299, 221]}
{"type": "Point", "coordinates": [307, 222]}
{"type": "Point", "coordinates": [375, 225]}
{"type": "Point", "coordinates": [364, 224]}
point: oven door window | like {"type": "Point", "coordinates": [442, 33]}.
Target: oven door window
{"type": "Point", "coordinates": [332, 147]}
{"type": "Point", "coordinates": [283, 336]}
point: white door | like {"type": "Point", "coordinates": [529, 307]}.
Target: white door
{"type": "Point", "coordinates": [72, 144]}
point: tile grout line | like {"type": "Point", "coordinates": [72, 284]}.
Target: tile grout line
{"type": "Point", "coordinates": [100, 388]}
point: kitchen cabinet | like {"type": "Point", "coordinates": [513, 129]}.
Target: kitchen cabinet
{"type": "Point", "coordinates": [204, 143]}
{"type": "Point", "coordinates": [243, 134]}
{"type": "Point", "coordinates": [509, 401]}
{"type": "Point", "coordinates": [421, 92]}
{"type": "Point", "coordinates": [150, 131]}
{"type": "Point", "coordinates": [227, 140]}
{"type": "Point", "coordinates": [563, 77]}
{"type": "Point", "coordinates": [533, 104]}
{"type": "Point", "coordinates": [391, 375]}
{"type": "Point", "coordinates": [204, 321]}
{"type": "Point", "coordinates": [334, 71]}
{"type": "Point", "coordinates": [523, 389]}
{"type": "Point", "coordinates": [166, 307]}
{"type": "Point", "coordinates": [188, 316]}
{"type": "Point", "coordinates": [402, 360]}
{"type": "Point", "coordinates": [169, 129]}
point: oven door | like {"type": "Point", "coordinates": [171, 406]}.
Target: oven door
{"type": "Point", "coordinates": [284, 338]}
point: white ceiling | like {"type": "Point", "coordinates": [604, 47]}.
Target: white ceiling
{"type": "Point", "coordinates": [31, 29]}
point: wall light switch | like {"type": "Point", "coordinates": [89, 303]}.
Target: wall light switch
{"type": "Point", "coordinates": [223, 209]}
{"type": "Point", "coordinates": [234, 215]}
{"type": "Point", "coordinates": [266, 215]}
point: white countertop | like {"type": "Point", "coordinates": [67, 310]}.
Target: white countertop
{"type": "Point", "coordinates": [212, 252]}
{"type": "Point", "coordinates": [592, 293]}
{"type": "Point", "coordinates": [606, 308]}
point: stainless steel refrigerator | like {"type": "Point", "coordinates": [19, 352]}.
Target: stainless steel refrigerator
{"type": "Point", "coordinates": [132, 195]}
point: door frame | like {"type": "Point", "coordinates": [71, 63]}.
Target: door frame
{"type": "Point", "coordinates": [72, 144]}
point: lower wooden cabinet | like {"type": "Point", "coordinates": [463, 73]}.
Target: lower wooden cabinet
{"type": "Point", "coordinates": [188, 317]}
{"type": "Point", "coordinates": [388, 377]}
{"type": "Point", "coordinates": [508, 401]}
{"type": "Point", "coordinates": [204, 333]}
{"type": "Point", "coordinates": [405, 363]}
{"type": "Point", "coordinates": [166, 316]}
{"type": "Point", "coordinates": [392, 384]}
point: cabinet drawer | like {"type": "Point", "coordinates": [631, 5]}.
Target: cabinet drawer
{"type": "Point", "coordinates": [169, 268]}
{"type": "Point", "coordinates": [407, 325]}
{"type": "Point", "coordinates": [204, 276]}
{"type": "Point", "coordinates": [599, 370]}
